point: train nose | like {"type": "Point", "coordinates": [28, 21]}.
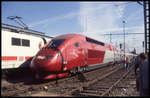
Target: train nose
{"type": "Point", "coordinates": [49, 63]}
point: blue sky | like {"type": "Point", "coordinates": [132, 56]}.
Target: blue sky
{"type": "Point", "coordinates": [33, 12]}
{"type": "Point", "coordinates": [88, 18]}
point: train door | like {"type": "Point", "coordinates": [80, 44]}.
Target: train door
{"type": "Point", "coordinates": [81, 54]}
{"type": "Point", "coordinates": [75, 55]}
{"type": "Point", "coordinates": [79, 51]}
{"type": "Point", "coordinates": [71, 56]}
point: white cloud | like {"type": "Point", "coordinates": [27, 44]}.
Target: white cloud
{"type": "Point", "coordinates": [104, 18]}
{"type": "Point", "coordinates": [120, 6]}
{"type": "Point", "coordinates": [52, 19]}
{"type": "Point", "coordinates": [101, 18]}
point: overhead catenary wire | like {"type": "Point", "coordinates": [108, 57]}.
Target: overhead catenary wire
{"type": "Point", "coordinates": [18, 20]}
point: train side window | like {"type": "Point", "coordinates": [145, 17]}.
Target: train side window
{"type": "Point", "coordinates": [25, 42]}
{"type": "Point", "coordinates": [16, 41]}
{"type": "Point", "coordinates": [77, 44]}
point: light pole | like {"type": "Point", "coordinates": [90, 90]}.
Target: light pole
{"type": "Point", "coordinates": [110, 38]}
{"type": "Point", "coordinates": [143, 46]}
{"type": "Point", "coordinates": [124, 35]}
{"type": "Point", "coordinates": [133, 43]}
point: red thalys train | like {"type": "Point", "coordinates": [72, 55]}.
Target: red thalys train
{"type": "Point", "coordinates": [72, 53]}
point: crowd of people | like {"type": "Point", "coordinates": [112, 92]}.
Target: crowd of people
{"type": "Point", "coordinates": [141, 63]}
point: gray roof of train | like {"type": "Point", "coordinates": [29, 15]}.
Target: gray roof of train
{"type": "Point", "coordinates": [22, 30]}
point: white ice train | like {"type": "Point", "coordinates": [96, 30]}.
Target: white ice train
{"type": "Point", "coordinates": [19, 45]}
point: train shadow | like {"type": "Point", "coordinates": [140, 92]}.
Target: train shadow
{"type": "Point", "coordinates": [22, 74]}
{"type": "Point", "coordinates": [25, 76]}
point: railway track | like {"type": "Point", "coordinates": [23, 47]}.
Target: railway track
{"type": "Point", "coordinates": [70, 84]}
{"type": "Point", "coordinates": [67, 88]}
{"type": "Point", "coordinates": [102, 86]}
{"type": "Point", "coordinates": [126, 87]}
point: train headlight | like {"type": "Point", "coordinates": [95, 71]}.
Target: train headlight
{"type": "Point", "coordinates": [44, 57]}
{"type": "Point", "coordinates": [40, 57]}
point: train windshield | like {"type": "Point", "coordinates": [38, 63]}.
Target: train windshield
{"type": "Point", "coordinates": [55, 43]}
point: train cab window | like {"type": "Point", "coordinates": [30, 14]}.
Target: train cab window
{"type": "Point", "coordinates": [16, 41]}
{"type": "Point", "coordinates": [25, 42]}
{"type": "Point", "coordinates": [55, 43]}
{"type": "Point", "coordinates": [76, 44]}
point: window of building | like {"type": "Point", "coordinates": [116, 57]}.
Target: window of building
{"type": "Point", "coordinates": [20, 42]}
{"type": "Point", "coordinates": [16, 41]}
{"type": "Point", "coordinates": [25, 42]}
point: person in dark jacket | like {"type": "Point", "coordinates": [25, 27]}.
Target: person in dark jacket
{"type": "Point", "coordinates": [143, 75]}
{"type": "Point", "coordinates": [136, 64]}
{"type": "Point", "coordinates": [136, 70]}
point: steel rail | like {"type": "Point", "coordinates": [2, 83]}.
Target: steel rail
{"type": "Point", "coordinates": [84, 85]}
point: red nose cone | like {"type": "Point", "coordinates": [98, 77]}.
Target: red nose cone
{"type": "Point", "coordinates": [47, 60]}
{"type": "Point", "coordinates": [47, 52]}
